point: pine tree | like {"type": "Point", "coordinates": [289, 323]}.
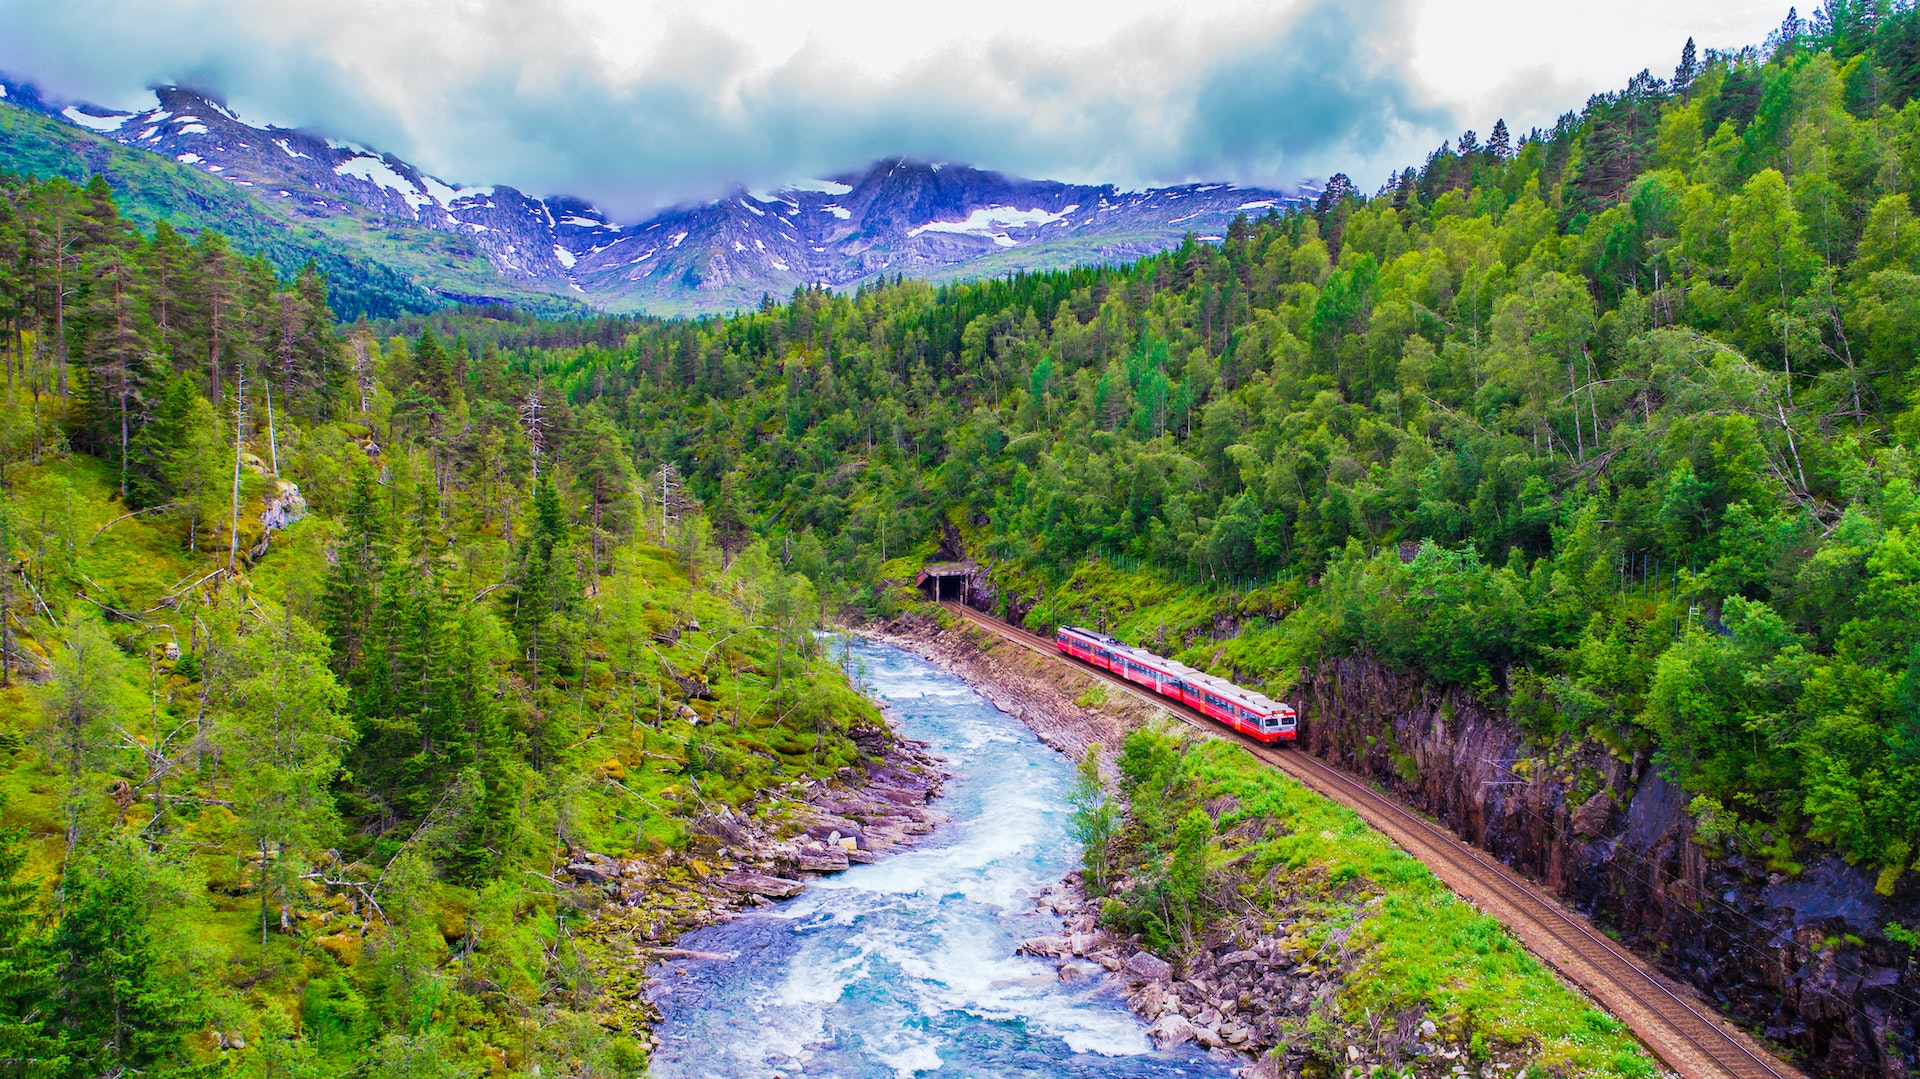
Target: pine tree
{"type": "Point", "coordinates": [543, 598]}
{"type": "Point", "coordinates": [160, 443]}
{"type": "Point", "coordinates": [1499, 143]}
{"type": "Point", "coordinates": [118, 357]}
{"type": "Point", "coordinates": [1688, 69]}
{"type": "Point", "coordinates": [604, 473]}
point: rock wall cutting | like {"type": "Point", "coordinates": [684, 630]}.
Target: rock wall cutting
{"type": "Point", "coordinates": [1802, 958]}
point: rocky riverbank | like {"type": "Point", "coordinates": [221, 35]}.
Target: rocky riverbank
{"type": "Point", "coordinates": [737, 861]}
{"type": "Point", "coordinates": [1254, 987]}
{"type": "Point", "coordinates": [1263, 985]}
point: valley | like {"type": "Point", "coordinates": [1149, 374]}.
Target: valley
{"type": "Point", "coordinates": [449, 632]}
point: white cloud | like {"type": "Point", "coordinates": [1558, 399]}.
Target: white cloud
{"type": "Point", "coordinates": [635, 104]}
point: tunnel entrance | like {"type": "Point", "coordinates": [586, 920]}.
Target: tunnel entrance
{"type": "Point", "coordinates": [944, 581]}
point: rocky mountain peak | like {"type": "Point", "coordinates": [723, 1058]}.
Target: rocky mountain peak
{"type": "Point", "coordinates": [897, 216]}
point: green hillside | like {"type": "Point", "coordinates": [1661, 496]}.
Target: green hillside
{"type": "Point", "coordinates": [1613, 423]}
{"type": "Point", "coordinates": [299, 767]}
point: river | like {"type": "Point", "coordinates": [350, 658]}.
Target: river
{"type": "Point", "coordinates": [905, 967]}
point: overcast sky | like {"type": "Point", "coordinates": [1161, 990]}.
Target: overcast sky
{"type": "Point", "coordinates": [636, 103]}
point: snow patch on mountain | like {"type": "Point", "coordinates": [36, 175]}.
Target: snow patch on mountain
{"type": "Point", "coordinates": [989, 220]}
{"type": "Point", "coordinates": [102, 124]}
{"type": "Point", "coordinates": [446, 194]}
{"type": "Point", "coordinates": [824, 187]}
{"type": "Point", "coordinates": [378, 172]}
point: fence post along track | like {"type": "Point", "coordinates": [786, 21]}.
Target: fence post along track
{"type": "Point", "coordinates": [1678, 1028]}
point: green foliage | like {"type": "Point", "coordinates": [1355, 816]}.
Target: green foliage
{"type": "Point", "coordinates": [1409, 942]}
{"type": "Point", "coordinates": [1614, 426]}
{"type": "Point", "coordinates": [274, 766]}
{"type": "Point", "coordinates": [1096, 821]}
{"type": "Point", "coordinates": [30, 1044]}
{"type": "Point", "coordinates": [122, 1005]}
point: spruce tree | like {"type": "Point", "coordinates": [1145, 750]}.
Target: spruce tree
{"type": "Point", "coordinates": [1688, 69]}
{"type": "Point", "coordinates": [118, 1009]}
{"type": "Point", "coordinates": [28, 1047]}
{"type": "Point", "coordinates": [352, 586]}
{"type": "Point", "coordinates": [1500, 143]}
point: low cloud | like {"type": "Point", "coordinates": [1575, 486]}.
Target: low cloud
{"type": "Point", "coordinates": [515, 92]}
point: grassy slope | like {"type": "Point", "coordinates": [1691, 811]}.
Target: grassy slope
{"type": "Point", "coordinates": [1301, 859]}
{"type": "Point", "coordinates": [1419, 944]}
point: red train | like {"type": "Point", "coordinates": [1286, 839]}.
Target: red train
{"type": "Point", "coordinates": [1248, 712]}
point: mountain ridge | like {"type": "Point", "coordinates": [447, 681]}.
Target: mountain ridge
{"type": "Point", "coordinates": [897, 216]}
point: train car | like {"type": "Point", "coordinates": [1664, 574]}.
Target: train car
{"type": "Point", "coordinates": [1250, 713]}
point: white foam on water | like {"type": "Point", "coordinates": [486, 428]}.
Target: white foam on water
{"type": "Point", "coordinates": [906, 966]}
{"type": "Point", "coordinates": [916, 1058]}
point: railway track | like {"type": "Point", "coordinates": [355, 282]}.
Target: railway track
{"type": "Point", "coordinates": [1668, 1018]}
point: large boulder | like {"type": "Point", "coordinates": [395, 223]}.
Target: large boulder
{"type": "Point", "coordinates": [821, 860]}
{"type": "Point", "coordinates": [1048, 947]}
{"type": "Point", "coordinates": [1171, 1030]}
{"type": "Point", "coordinates": [1147, 967]}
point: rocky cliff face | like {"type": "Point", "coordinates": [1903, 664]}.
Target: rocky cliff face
{"type": "Point", "coordinates": [1803, 958]}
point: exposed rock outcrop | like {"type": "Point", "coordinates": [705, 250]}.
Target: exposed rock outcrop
{"type": "Point", "coordinates": [1801, 957]}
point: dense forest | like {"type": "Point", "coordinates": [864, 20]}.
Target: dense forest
{"type": "Point", "coordinates": [1612, 422]}
{"type": "Point", "coordinates": [303, 761]}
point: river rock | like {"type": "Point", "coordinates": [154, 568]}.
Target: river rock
{"type": "Point", "coordinates": [1207, 1038]}
{"type": "Point", "coordinates": [1170, 1031]}
{"type": "Point", "coordinates": [1047, 947]}
{"type": "Point", "coordinates": [818, 860]}
{"type": "Point", "coordinates": [1150, 1000]}
{"type": "Point", "coordinates": [1267, 1067]}
{"type": "Point", "coordinates": [762, 885]}
{"type": "Point", "coordinates": [1146, 967]}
